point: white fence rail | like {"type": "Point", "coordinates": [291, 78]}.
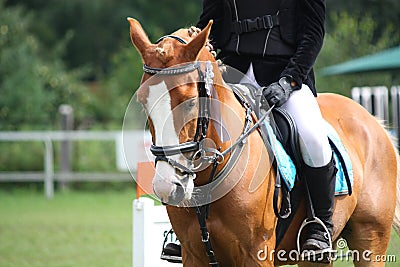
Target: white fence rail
{"type": "Point", "coordinates": [381, 103]}
{"type": "Point", "coordinates": [48, 176]}
{"type": "Point", "coordinates": [374, 99]}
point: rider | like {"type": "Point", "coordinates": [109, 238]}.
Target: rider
{"type": "Point", "coordinates": [276, 44]}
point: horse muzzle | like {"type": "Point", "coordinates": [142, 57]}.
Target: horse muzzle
{"type": "Point", "coordinates": [170, 188]}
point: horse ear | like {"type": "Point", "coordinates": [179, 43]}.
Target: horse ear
{"type": "Point", "coordinates": [139, 37]}
{"type": "Point", "coordinates": [193, 47]}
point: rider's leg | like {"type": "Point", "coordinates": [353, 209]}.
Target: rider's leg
{"type": "Point", "coordinates": [314, 145]}
{"type": "Point", "coordinates": [320, 169]}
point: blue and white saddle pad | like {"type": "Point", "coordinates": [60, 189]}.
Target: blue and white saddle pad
{"type": "Point", "coordinates": [287, 168]}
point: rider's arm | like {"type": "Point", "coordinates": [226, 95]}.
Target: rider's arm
{"type": "Point", "coordinates": [214, 10]}
{"type": "Point", "coordinates": [309, 43]}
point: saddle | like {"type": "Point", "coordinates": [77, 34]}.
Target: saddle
{"type": "Point", "coordinates": [286, 133]}
{"type": "Point", "coordinates": [285, 130]}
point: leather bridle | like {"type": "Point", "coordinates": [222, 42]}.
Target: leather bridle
{"type": "Point", "coordinates": [163, 153]}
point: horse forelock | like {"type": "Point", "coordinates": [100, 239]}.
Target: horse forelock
{"type": "Point", "coordinates": [164, 51]}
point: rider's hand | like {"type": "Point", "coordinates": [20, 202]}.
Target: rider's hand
{"type": "Point", "coordinates": [278, 93]}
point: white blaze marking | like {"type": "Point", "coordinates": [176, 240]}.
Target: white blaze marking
{"type": "Point", "coordinates": [160, 112]}
{"type": "Point", "coordinates": [159, 105]}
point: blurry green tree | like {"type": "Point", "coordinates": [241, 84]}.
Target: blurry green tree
{"type": "Point", "coordinates": [98, 28]}
{"type": "Point", "coordinates": [353, 37]}
{"type": "Point", "coordinates": [384, 13]}
{"type": "Point", "coordinates": [34, 80]}
{"type": "Point", "coordinates": [93, 35]}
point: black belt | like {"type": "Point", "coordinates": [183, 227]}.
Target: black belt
{"type": "Point", "coordinates": [255, 24]}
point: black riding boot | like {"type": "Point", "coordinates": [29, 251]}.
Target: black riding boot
{"type": "Point", "coordinates": [321, 185]}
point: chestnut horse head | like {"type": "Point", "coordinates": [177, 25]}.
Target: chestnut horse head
{"type": "Point", "coordinates": [175, 92]}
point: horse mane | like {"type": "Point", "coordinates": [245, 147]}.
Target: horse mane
{"type": "Point", "coordinates": [164, 52]}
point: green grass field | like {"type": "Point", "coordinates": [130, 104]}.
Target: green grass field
{"type": "Point", "coordinates": [76, 228]}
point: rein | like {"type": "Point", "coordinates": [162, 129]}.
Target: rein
{"type": "Point", "coordinates": [163, 153]}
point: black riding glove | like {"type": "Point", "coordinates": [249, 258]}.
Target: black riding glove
{"type": "Point", "coordinates": [278, 93]}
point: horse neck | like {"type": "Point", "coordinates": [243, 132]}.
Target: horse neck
{"type": "Point", "coordinates": [232, 112]}
{"type": "Point", "coordinates": [230, 119]}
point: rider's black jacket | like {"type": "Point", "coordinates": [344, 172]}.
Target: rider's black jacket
{"type": "Point", "coordinates": [280, 37]}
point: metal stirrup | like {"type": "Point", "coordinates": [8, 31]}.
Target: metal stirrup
{"type": "Point", "coordinates": [308, 221]}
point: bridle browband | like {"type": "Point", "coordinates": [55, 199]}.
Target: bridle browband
{"type": "Point", "coordinates": [171, 71]}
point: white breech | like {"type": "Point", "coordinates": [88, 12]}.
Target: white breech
{"type": "Point", "coordinates": [314, 144]}
{"type": "Point", "coordinates": [303, 107]}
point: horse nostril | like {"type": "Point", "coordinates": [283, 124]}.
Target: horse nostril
{"type": "Point", "coordinates": [178, 184]}
{"type": "Point", "coordinates": [177, 195]}
{"type": "Point", "coordinates": [179, 191]}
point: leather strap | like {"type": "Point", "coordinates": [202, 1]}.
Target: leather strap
{"type": "Point", "coordinates": [343, 162]}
